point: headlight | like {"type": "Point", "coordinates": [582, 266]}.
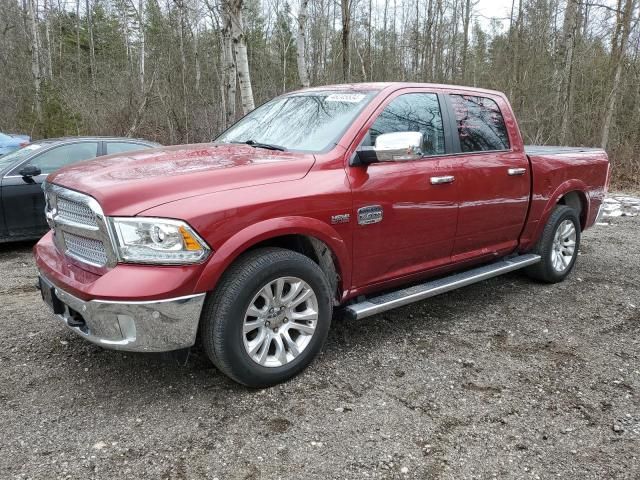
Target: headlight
{"type": "Point", "coordinates": [157, 240]}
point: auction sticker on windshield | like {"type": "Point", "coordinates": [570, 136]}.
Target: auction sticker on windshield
{"type": "Point", "coordinates": [345, 97]}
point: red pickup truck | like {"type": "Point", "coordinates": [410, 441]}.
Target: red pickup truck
{"type": "Point", "coordinates": [366, 196]}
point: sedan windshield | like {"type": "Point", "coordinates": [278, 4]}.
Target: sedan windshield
{"type": "Point", "coordinates": [308, 122]}
{"type": "Point", "coordinates": [14, 157]}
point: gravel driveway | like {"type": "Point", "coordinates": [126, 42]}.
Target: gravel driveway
{"type": "Point", "coordinates": [506, 379]}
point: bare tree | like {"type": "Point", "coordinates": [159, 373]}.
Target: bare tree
{"type": "Point", "coordinates": [234, 10]}
{"type": "Point", "coordinates": [36, 71]}
{"type": "Point", "coordinates": [345, 6]}
{"type": "Point", "coordinates": [623, 27]}
{"type": "Point", "coordinates": [303, 72]}
{"type": "Point", "coordinates": [565, 86]}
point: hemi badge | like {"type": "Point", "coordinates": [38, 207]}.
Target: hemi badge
{"type": "Point", "coordinates": [342, 218]}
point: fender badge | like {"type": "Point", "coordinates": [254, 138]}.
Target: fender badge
{"type": "Point", "coordinates": [369, 214]}
{"type": "Point", "coordinates": [342, 218]}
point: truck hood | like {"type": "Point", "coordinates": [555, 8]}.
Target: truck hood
{"type": "Point", "coordinates": [127, 184]}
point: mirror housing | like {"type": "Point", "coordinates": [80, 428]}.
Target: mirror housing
{"type": "Point", "coordinates": [29, 171]}
{"type": "Point", "coordinates": [392, 147]}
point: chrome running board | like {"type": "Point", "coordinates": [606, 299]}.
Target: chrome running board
{"type": "Point", "coordinates": [399, 298]}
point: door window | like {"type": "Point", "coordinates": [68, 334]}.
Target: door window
{"type": "Point", "coordinates": [480, 124]}
{"type": "Point", "coordinates": [121, 147]}
{"type": "Point", "coordinates": [412, 112]}
{"type": "Point", "coordinates": [58, 157]}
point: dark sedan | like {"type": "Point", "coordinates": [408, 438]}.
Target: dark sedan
{"type": "Point", "coordinates": [23, 171]}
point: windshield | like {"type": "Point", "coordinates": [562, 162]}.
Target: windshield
{"type": "Point", "coordinates": [308, 122]}
{"type": "Point", "coordinates": [4, 137]}
{"type": "Point", "coordinates": [14, 157]}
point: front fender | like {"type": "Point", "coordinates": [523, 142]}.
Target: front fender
{"type": "Point", "coordinates": [240, 242]}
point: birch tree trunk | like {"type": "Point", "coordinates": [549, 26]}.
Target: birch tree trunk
{"type": "Point", "coordinates": [47, 32]}
{"type": "Point", "coordinates": [242, 58]}
{"type": "Point", "coordinates": [228, 68]}
{"type": "Point", "coordinates": [303, 72]}
{"type": "Point", "coordinates": [35, 57]}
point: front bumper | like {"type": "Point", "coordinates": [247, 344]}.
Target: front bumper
{"type": "Point", "coordinates": [149, 326]}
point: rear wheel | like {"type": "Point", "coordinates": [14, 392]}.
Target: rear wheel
{"type": "Point", "coordinates": [268, 318]}
{"type": "Point", "coordinates": [558, 246]}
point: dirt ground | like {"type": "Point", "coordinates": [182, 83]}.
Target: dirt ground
{"type": "Point", "coordinates": [503, 379]}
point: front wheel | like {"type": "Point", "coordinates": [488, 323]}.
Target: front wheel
{"type": "Point", "coordinates": [268, 318]}
{"type": "Point", "coordinates": [558, 246]}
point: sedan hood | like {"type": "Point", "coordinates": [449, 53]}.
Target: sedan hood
{"type": "Point", "coordinates": [127, 184]}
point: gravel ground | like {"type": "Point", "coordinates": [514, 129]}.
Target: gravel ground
{"type": "Point", "coordinates": [506, 379]}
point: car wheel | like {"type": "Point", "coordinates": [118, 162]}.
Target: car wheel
{"type": "Point", "coordinates": [558, 246]}
{"type": "Point", "coordinates": [268, 317]}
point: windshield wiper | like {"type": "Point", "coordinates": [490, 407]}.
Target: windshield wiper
{"type": "Point", "coordinates": [268, 146]}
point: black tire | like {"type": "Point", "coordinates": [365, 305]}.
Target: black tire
{"type": "Point", "coordinates": [544, 270]}
{"type": "Point", "coordinates": [223, 314]}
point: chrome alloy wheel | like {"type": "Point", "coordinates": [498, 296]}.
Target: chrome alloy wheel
{"type": "Point", "coordinates": [280, 321]}
{"type": "Point", "coordinates": [564, 246]}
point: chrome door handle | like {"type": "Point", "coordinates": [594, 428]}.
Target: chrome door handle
{"type": "Point", "coordinates": [441, 180]}
{"type": "Point", "coordinates": [517, 171]}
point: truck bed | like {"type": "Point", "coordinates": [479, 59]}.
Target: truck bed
{"type": "Point", "coordinates": [554, 150]}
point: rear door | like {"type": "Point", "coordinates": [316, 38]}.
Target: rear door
{"type": "Point", "coordinates": [122, 146]}
{"type": "Point", "coordinates": [404, 221]}
{"type": "Point", "coordinates": [23, 199]}
{"type": "Point", "coordinates": [495, 179]}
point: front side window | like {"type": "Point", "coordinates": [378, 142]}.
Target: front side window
{"type": "Point", "coordinates": [480, 124]}
{"type": "Point", "coordinates": [413, 112]}
{"type": "Point", "coordinates": [63, 155]}
{"type": "Point", "coordinates": [309, 121]}
{"type": "Point", "coordinates": [14, 157]}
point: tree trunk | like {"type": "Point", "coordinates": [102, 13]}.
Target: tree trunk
{"type": "Point", "coordinates": [228, 67]}
{"type": "Point", "coordinates": [47, 8]}
{"type": "Point", "coordinates": [35, 58]}
{"type": "Point", "coordinates": [346, 25]}
{"type": "Point", "coordinates": [92, 51]}
{"type": "Point", "coordinates": [242, 58]}
{"type": "Point", "coordinates": [625, 20]}
{"type": "Point", "coordinates": [142, 54]}
{"type": "Point", "coordinates": [303, 73]}
{"type": "Point", "coordinates": [567, 48]}
{"type": "Point", "coordinates": [465, 44]}
{"type": "Point", "coordinates": [183, 70]}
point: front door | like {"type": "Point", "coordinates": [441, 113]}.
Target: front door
{"type": "Point", "coordinates": [23, 198]}
{"type": "Point", "coordinates": [404, 220]}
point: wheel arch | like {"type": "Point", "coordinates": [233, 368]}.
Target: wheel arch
{"type": "Point", "coordinates": [570, 191]}
{"type": "Point", "coordinates": [577, 200]}
{"type": "Point", "coordinates": [308, 236]}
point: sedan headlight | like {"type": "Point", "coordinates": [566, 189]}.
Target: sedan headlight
{"type": "Point", "coordinates": [157, 240]}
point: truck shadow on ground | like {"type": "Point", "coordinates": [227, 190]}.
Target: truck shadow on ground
{"type": "Point", "coordinates": [428, 323]}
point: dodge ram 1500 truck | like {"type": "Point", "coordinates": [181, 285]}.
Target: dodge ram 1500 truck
{"type": "Point", "coordinates": [364, 196]}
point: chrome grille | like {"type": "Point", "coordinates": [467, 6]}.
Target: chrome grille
{"type": "Point", "coordinates": [80, 229]}
{"type": "Point", "coordinates": [76, 212]}
{"type": "Point", "coordinates": [85, 249]}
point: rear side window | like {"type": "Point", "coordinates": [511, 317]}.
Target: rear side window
{"type": "Point", "coordinates": [120, 147]}
{"type": "Point", "coordinates": [413, 112]}
{"type": "Point", "coordinates": [480, 124]}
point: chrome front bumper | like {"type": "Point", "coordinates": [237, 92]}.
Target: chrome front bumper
{"type": "Point", "coordinates": [153, 326]}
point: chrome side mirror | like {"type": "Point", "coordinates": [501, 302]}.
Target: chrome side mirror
{"type": "Point", "coordinates": [399, 146]}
